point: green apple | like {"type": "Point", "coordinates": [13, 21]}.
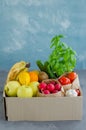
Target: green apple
{"type": "Point", "coordinates": [25, 92]}
{"type": "Point", "coordinates": [11, 88]}
{"type": "Point", "coordinates": [34, 86]}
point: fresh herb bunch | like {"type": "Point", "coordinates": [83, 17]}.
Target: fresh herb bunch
{"type": "Point", "coordinates": [61, 60]}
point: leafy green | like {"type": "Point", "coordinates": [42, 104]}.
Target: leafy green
{"type": "Point", "coordinates": [62, 58]}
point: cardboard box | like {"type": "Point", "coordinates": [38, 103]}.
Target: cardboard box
{"type": "Point", "coordinates": [43, 108]}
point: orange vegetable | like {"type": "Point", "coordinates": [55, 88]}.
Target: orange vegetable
{"type": "Point", "coordinates": [33, 76]}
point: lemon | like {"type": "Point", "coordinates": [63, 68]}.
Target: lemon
{"type": "Point", "coordinates": [24, 78]}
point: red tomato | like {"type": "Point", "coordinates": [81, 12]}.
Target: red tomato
{"type": "Point", "coordinates": [72, 76]}
{"type": "Point", "coordinates": [78, 92]}
{"type": "Point", "coordinates": [64, 80]}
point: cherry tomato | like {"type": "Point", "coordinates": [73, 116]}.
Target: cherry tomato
{"type": "Point", "coordinates": [72, 76]}
{"type": "Point", "coordinates": [78, 92]}
{"type": "Point", "coordinates": [64, 80]}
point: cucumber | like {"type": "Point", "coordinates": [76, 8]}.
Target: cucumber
{"type": "Point", "coordinates": [40, 65]}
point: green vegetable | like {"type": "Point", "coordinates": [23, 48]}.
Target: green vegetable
{"type": "Point", "coordinates": [62, 59]}
{"type": "Point", "coordinates": [40, 65]}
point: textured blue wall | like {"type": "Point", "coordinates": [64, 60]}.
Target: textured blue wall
{"type": "Point", "coordinates": [27, 26]}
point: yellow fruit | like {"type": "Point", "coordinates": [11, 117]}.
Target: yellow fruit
{"type": "Point", "coordinates": [25, 69]}
{"type": "Point", "coordinates": [16, 69]}
{"type": "Point", "coordinates": [34, 85]}
{"type": "Point", "coordinates": [25, 92]}
{"type": "Point", "coordinates": [11, 88]}
{"type": "Point", "coordinates": [24, 78]}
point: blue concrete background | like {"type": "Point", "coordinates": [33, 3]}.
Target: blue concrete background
{"type": "Point", "coordinates": [27, 26]}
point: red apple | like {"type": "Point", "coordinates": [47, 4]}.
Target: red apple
{"type": "Point", "coordinates": [58, 87]}
{"type": "Point", "coordinates": [46, 92]}
{"type": "Point", "coordinates": [42, 86]}
{"type": "Point", "coordinates": [50, 87]}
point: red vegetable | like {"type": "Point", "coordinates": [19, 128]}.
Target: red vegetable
{"type": "Point", "coordinates": [58, 87]}
{"type": "Point", "coordinates": [42, 86]}
{"type": "Point", "coordinates": [72, 76]}
{"type": "Point", "coordinates": [78, 92]}
{"type": "Point", "coordinates": [46, 92]}
{"type": "Point", "coordinates": [50, 87]}
{"type": "Point", "coordinates": [64, 80]}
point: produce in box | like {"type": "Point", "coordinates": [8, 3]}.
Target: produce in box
{"type": "Point", "coordinates": [56, 76]}
{"type": "Point", "coordinates": [21, 82]}
{"type": "Point", "coordinates": [62, 59]}
{"type": "Point", "coordinates": [49, 88]}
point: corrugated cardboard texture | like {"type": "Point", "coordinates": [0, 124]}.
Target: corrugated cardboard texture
{"type": "Point", "coordinates": [44, 109]}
